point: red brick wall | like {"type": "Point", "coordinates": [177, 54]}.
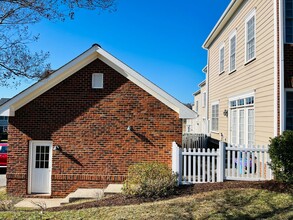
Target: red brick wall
{"type": "Point", "coordinates": [90, 126]}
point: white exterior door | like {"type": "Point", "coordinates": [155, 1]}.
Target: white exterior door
{"type": "Point", "coordinates": [40, 167]}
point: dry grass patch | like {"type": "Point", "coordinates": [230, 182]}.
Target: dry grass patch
{"type": "Point", "coordinates": [223, 204]}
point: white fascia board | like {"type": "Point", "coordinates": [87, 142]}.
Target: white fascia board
{"type": "Point", "coordinates": [202, 83]}
{"type": "Point", "coordinates": [232, 7]}
{"type": "Point", "coordinates": [146, 85]}
{"type": "Point", "coordinates": [9, 108]}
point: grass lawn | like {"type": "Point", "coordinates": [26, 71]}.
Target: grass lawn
{"type": "Point", "coordinates": [221, 204]}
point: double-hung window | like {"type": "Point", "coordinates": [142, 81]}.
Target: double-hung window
{"type": "Point", "coordinates": [222, 58]}
{"type": "Point", "coordinates": [232, 52]}
{"type": "Point", "coordinates": [289, 20]}
{"type": "Point", "coordinates": [250, 29]}
{"type": "Point", "coordinates": [215, 117]}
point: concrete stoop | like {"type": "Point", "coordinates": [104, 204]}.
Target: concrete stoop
{"type": "Point", "coordinates": [40, 203]}
{"type": "Point", "coordinates": [83, 194]}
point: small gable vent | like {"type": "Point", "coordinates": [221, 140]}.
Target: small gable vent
{"type": "Point", "coordinates": [97, 80]}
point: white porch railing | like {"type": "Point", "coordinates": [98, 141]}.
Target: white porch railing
{"type": "Point", "coordinates": [200, 165]}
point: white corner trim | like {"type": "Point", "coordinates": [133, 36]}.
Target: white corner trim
{"type": "Point", "coordinates": [276, 34]}
{"type": "Point", "coordinates": [281, 62]}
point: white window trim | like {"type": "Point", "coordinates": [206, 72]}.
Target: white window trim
{"type": "Point", "coordinates": [93, 82]}
{"type": "Point", "coordinates": [222, 46]}
{"type": "Point", "coordinates": [212, 104]}
{"type": "Point", "coordinates": [248, 17]}
{"type": "Point", "coordinates": [233, 34]}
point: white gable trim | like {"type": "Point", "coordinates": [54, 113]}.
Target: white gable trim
{"type": "Point", "coordinates": [9, 108]}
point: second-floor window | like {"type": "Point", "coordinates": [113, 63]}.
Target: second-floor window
{"type": "Point", "coordinates": [289, 21]}
{"type": "Point", "coordinates": [196, 106]}
{"type": "Point", "coordinates": [250, 36]}
{"type": "Point", "coordinates": [232, 65]}
{"type": "Point", "coordinates": [222, 58]}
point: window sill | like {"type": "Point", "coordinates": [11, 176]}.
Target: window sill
{"type": "Point", "coordinates": [215, 132]}
{"type": "Point", "coordinates": [249, 61]}
{"type": "Point", "coordinates": [221, 72]}
{"type": "Point", "coordinates": [232, 71]}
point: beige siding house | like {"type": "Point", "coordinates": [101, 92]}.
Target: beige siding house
{"type": "Point", "coordinates": [200, 104]}
{"type": "Point", "coordinates": [246, 80]}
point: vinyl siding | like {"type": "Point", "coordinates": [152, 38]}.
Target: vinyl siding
{"type": "Point", "coordinates": [199, 126]}
{"type": "Point", "coordinates": [256, 76]}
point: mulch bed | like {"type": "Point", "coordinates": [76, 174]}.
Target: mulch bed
{"type": "Point", "coordinates": [121, 200]}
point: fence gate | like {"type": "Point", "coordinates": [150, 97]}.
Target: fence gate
{"type": "Point", "coordinates": [226, 163]}
{"type": "Point", "coordinates": [247, 163]}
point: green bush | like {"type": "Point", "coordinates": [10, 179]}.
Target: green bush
{"type": "Point", "coordinates": [150, 180]}
{"type": "Point", "coordinates": [281, 153]}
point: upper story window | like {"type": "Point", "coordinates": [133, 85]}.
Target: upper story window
{"type": "Point", "coordinates": [222, 57]}
{"type": "Point", "coordinates": [250, 24]}
{"type": "Point", "coordinates": [215, 117]}
{"type": "Point", "coordinates": [289, 20]}
{"type": "Point", "coordinates": [232, 55]}
{"type": "Point", "coordinates": [98, 80]}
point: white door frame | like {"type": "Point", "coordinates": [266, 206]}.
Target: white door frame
{"type": "Point", "coordinates": [30, 162]}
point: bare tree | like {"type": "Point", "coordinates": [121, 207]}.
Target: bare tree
{"type": "Point", "coordinates": [16, 59]}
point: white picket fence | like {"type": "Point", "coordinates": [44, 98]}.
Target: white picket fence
{"type": "Point", "coordinates": [200, 165]}
{"type": "Point", "coordinates": [248, 163]}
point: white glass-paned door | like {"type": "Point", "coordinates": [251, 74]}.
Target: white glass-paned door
{"type": "Point", "coordinates": [241, 127]}
{"type": "Point", "coordinates": [250, 127]}
{"type": "Point", "coordinates": [233, 126]}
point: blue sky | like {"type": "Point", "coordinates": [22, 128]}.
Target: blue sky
{"type": "Point", "coordinates": [160, 39]}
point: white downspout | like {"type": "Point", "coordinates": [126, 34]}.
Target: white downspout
{"type": "Point", "coordinates": [281, 62]}
{"type": "Point", "coordinates": [276, 34]}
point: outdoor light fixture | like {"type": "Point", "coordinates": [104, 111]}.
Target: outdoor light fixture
{"type": "Point", "coordinates": [57, 147]}
{"type": "Point", "coordinates": [225, 113]}
{"type": "Point", "coordinates": [129, 128]}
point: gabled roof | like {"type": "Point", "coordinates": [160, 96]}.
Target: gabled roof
{"type": "Point", "coordinates": [224, 19]}
{"type": "Point", "coordinates": [95, 52]}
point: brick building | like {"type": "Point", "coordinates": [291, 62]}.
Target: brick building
{"type": "Point", "coordinates": [84, 124]}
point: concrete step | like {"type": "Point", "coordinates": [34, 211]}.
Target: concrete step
{"type": "Point", "coordinates": [41, 203]}
{"type": "Point", "coordinates": [83, 194]}
{"type": "Point", "coordinates": [113, 189]}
